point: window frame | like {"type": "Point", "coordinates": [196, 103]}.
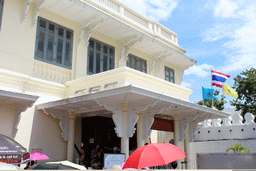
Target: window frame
{"type": "Point", "coordinates": [168, 77]}
{"type": "Point", "coordinates": [1, 12]}
{"type": "Point", "coordinates": [56, 37]}
{"type": "Point", "coordinates": [134, 65]}
{"type": "Point", "coordinates": [109, 56]}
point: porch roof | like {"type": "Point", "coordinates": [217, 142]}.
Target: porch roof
{"type": "Point", "coordinates": [89, 104]}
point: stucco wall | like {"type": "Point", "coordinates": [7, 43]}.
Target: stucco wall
{"type": "Point", "coordinates": [7, 119]}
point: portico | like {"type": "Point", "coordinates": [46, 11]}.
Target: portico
{"type": "Point", "coordinates": [127, 106]}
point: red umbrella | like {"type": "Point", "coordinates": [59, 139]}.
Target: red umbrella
{"type": "Point", "coordinates": [154, 154]}
{"type": "Point", "coordinates": [38, 156]}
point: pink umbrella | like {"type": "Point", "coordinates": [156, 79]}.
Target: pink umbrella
{"type": "Point", "coordinates": [132, 168]}
{"type": "Point", "coordinates": [38, 156]}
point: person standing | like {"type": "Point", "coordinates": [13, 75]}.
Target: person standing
{"type": "Point", "coordinates": [96, 157]}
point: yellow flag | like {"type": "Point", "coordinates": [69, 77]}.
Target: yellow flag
{"type": "Point", "coordinates": [227, 90]}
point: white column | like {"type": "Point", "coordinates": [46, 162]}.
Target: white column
{"type": "Point", "coordinates": [70, 152]}
{"type": "Point", "coordinates": [187, 149]}
{"type": "Point", "coordinates": [140, 140]}
{"type": "Point", "coordinates": [176, 137]}
{"type": "Point", "coordinates": [125, 138]}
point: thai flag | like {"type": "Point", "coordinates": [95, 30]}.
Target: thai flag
{"type": "Point", "coordinates": [218, 79]}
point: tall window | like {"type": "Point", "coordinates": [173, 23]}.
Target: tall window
{"type": "Point", "coordinates": [1, 11]}
{"type": "Point", "coordinates": [101, 57]}
{"type": "Point", "coordinates": [136, 63]}
{"type": "Point", "coordinates": [169, 75]}
{"type": "Point", "coordinates": [54, 43]}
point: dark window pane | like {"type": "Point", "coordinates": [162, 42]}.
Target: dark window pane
{"type": "Point", "coordinates": [97, 62]}
{"type": "Point", "coordinates": [111, 52]}
{"type": "Point", "coordinates": [59, 51]}
{"type": "Point", "coordinates": [98, 46]}
{"type": "Point", "coordinates": [128, 63]}
{"type": "Point", "coordinates": [105, 49]}
{"type": "Point", "coordinates": [60, 32]}
{"type": "Point", "coordinates": [49, 54]}
{"type": "Point", "coordinates": [42, 23]}
{"type": "Point", "coordinates": [91, 58]}
{"type": "Point", "coordinates": [67, 60]}
{"type": "Point", "coordinates": [91, 44]}
{"type": "Point", "coordinates": [40, 49]}
{"type": "Point", "coordinates": [69, 35]}
{"type": "Point", "coordinates": [111, 63]}
{"type": "Point", "coordinates": [105, 63]}
{"type": "Point", "coordinates": [51, 27]}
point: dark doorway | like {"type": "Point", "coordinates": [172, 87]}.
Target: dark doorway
{"type": "Point", "coordinates": [98, 130]}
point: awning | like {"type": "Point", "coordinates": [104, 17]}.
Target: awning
{"type": "Point", "coordinates": [97, 104]}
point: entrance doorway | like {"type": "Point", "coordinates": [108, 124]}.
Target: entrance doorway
{"type": "Point", "coordinates": [100, 130]}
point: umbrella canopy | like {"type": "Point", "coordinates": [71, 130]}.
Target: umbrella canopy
{"type": "Point", "coordinates": [154, 154]}
{"type": "Point", "coordinates": [131, 168]}
{"type": "Point", "coordinates": [11, 151]}
{"type": "Point", "coordinates": [38, 156]}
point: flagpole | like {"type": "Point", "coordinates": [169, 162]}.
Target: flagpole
{"type": "Point", "coordinates": [211, 85]}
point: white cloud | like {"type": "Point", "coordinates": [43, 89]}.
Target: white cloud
{"type": "Point", "coordinates": [225, 9]}
{"type": "Point", "coordinates": [154, 9]}
{"type": "Point", "coordinates": [199, 70]}
{"type": "Point", "coordinates": [240, 29]}
{"type": "Point", "coordinates": [219, 31]}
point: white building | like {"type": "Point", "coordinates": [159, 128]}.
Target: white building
{"type": "Point", "coordinates": [86, 68]}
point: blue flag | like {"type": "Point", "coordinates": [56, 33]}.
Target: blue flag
{"type": "Point", "coordinates": [208, 93]}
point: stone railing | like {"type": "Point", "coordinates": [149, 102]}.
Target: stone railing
{"type": "Point", "coordinates": [124, 76]}
{"type": "Point", "coordinates": [50, 72]}
{"type": "Point", "coordinates": [152, 27]}
{"type": "Point", "coordinates": [227, 128]}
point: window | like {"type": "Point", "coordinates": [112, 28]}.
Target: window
{"type": "Point", "coordinates": [101, 57]}
{"type": "Point", "coordinates": [169, 75]}
{"type": "Point", "coordinates": [136, 63]}
{"type": "Point", "coordinates": [54, 44]}
{"type": "Point", "coordinates": [1, 11]}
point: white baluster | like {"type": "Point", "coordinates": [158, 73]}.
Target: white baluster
{"type": "Point", "coordinates": [249, 118]}
{"type": "Point", "coordinates": [227, 121]}
{"type": "Point", "coordinates": [216, 122]}
{"type": "Point", "coordinates": [237, 119]}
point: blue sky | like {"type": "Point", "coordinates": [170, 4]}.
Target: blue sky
{"type": "Point", "coordinates": [218, 34]}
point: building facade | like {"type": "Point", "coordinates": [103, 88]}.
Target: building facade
{"type": "Point", "coordinates": [77, 60]}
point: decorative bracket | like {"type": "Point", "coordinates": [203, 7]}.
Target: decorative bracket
{"type": "Point", "coordinates": [90, 28]}
{"type": "Point", "coordinates": [125, 48]}
{"type": "Point", "coordinates": [25, 10]}
{"type": "Point", "coordinates": [184, 124]}
{"type": "Point", "coordinates": [160, 58]}
{"type": "Point", "coordinates": [18, 114]}
{"type": "Point", "coordinates": [83, 26]}
{"type": "Point", "coordinates": [36, 12]}
{"type": "Point", "coordinates": [63, 116]}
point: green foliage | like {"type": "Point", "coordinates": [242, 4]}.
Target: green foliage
{"type": "Point", "coordinates": [218, 102]}
{"type": "Point", "coordinates": [238, 148]}
{"type": "Point", "coordinates": [245, 86]}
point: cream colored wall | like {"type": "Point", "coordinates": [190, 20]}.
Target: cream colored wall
{"type": "Point", "coordinates": [17, 40]}
{"type": "Point", "coordinates": [46, 134]}
{"type": "Point", "coordinates": [7, 119]}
